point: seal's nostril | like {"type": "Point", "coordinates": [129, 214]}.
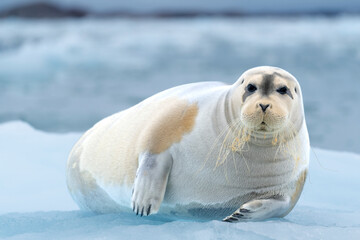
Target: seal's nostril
{"type": "Point", "coordinates": [264, 107]}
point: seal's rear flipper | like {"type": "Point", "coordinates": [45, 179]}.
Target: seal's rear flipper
{"type": "Point", "coordinates": [260, 209]}
{"type": "Point", "coordinates": [150, 182]}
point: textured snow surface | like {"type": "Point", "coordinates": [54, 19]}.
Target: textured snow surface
{"type": "Point", "coordinates": [34, 203]}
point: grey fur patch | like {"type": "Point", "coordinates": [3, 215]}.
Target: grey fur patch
{"type": "Point", "coordinates": [149, 161]}
{"type": "Point", "coordinates": [246, 94]}
{"type": "Point", "coordinates": [267, 84]}
{"type": "Point", "coordinates": [288, 92]}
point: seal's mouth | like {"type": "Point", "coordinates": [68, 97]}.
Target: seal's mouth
{"type": "Point", "coordinates": [263, 127]}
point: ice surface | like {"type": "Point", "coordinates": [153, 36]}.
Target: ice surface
{"type": "Point", "coordinates": [66, 75]}
{"type": "Point", "coordinates": [34, 203]}
{"type": "Point", "coordinates": [32, 169]}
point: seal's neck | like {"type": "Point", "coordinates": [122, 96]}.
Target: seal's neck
{"type": "Point", "coordinates": [274, 138]}
{"type": "Point", "coordinates": [229, 110]}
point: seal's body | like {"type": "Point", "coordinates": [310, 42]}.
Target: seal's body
{"type": "Point", "coordinates": [203, 149]}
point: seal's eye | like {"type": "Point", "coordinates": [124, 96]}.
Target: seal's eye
{"type": "Point", "coordinates": [282, 90]}
{"type": "Point", "coordinates": [251, 88]}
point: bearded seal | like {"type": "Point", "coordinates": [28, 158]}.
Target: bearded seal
{"type": "Point", "coordinates": [234, 152]}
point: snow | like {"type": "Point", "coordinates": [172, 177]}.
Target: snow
{"type": "Point", "coordinates": [34, 203]}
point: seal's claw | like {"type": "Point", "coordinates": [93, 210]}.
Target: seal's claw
{"type": "Point", "coordinates": [231, 219]}
{"type": "Point", "coordinates": [242, 214]}
{"type": "Point", "coordinates": [142, 212]}
{"type": "Point", "coordinates": [244, 210]}
{"type": "Point", "coordinates": [148, 210]}
{"type": "Point", "coordinates": [236, 217]}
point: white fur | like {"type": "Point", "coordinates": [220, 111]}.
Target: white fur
{"type": "Point", "coordinates": [194, 180]}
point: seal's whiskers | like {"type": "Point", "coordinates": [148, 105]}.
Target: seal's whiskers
{"type": "Point", "coordinates": [235, 141]}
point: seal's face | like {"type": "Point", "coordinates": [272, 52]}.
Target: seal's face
{"type": "Point", "coordinates": [265, 98]}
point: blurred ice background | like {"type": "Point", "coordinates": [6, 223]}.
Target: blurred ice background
{"type": "Point", "coordinates": [63, 75]}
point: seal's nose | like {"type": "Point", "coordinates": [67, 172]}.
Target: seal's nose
{"type": "Point", "coordinates": [264, 107]}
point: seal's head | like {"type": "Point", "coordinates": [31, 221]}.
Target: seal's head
{"type": "Point", "coordinates": [267, 99]}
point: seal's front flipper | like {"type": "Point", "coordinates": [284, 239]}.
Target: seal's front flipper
{"type": "Point", "coordinates": [260, 209]}
{"type": "Point", "coordinates": [150, 182]}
